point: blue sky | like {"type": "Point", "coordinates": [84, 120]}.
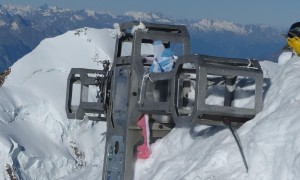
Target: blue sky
{"type": "Point", "coordinates": [268, 12]}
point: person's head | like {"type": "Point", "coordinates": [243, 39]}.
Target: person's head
{"type": "Point", "coordinates": [293, 38]}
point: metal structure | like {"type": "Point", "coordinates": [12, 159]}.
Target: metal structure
{"type": "Point", "coordinates": [128, 91]}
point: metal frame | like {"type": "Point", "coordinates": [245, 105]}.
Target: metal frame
{"type": "Point", "coordinates": [92, 110]}
{"type": "Point", "coordinates": [127, 78]}
{"type": "Point", "coordinates": [161, 95]}
{"type": "Point", "coordinates": [202, 113]}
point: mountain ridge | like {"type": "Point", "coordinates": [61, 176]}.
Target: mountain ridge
{"type": "Point", "coordinates": [23, 27]}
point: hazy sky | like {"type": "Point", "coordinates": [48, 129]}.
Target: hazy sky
{"type": "Point", "coordinates": [268, 12]}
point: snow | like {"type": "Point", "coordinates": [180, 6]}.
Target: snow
{"type": "Point", "coordinates": [36, 138]}
{"type": "Point", "coordinates": [116, 32]}
{"type": "Point", "coordinates": [160, 19]}
{"type": "Point", "coordinates": [90, 13]}
{"type": "Point", "coordinates": [141, 16]}
{"type": "Point", "coordinates": [39, 142]}
{"type": "Point", "coordinates": [284, 57]}
{"type": "Point", "coordinates": [14, 26]}
{"type": "Point", "coordinates": [219, 25]}
{"type": "Point", "coordinates": [2, 23]}
{"type": "Point", "coordinates": [163, 21]}
{"type": "Point", "coordinates": [138, 15]}
{"type": "Point", "coordinates": [22, 10]}
{"type": "Point", "coordinates": [79, 18]}
{"type": "Point", "coordinates": [141, 26]}
{"type": "Point", "coordinates": [270, 141]}
{"type": "Point", "coordinates": [46, 13]}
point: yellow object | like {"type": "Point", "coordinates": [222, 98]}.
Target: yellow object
{"type": "Point", "coordinates": [294, 43]}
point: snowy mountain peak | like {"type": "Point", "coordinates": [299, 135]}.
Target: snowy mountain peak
{"type": "Point", "coordinates": [83, 43]}
{"type": "Point", "coordinates": [37, 141]}
{"type": "Point", "coordinates": [20, 10]}
{"type": "Point", "coordinates": [219, 25]}
{"type": "Point", "coordinates": [90, 13]}
{"type": "Point", "coordinates": [138, 15]}
{"type": "Point", "coordinates": [141, 16]}
{"type": "Point", "coordinates": [3, 10]}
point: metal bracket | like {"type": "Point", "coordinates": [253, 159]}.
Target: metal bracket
{"type": "Point", "coordinates": [203, 71]}
{"type": "Point", "coordinates": [90, 85]}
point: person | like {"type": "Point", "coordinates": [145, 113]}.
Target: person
{"type": "Point", "coordinates": [292, 47]}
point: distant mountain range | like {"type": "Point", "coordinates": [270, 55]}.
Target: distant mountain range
{"type": "Point", "coordinates": [23, 28]}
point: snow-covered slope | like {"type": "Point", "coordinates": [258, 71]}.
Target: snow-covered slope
{"type": "Point", "coordinates": [39, 142]}
{"type": "Point", "coordinates": [271, 141]}
{"type": "Point", "coordinates": [36, 138]}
